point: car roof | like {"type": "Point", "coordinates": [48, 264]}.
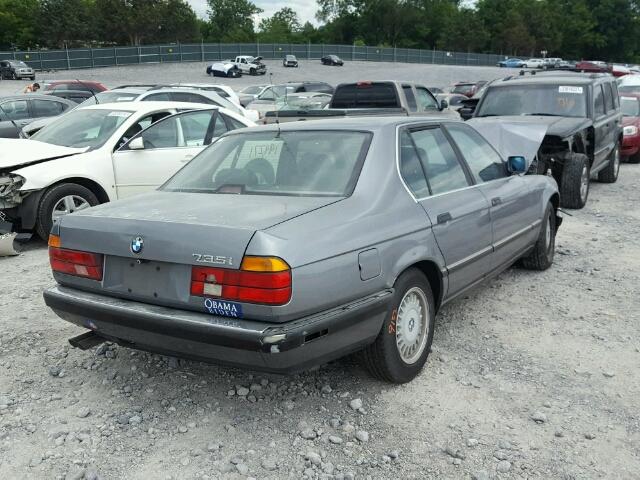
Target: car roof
{"type": "Point", "coordinates": [32, 96]}
{"type": "Point", "coordinates": [137, 91]}
{"type": "Point", "coordinates": [550, 79]}
{"type": "Point", "coordinates": [364, 123]}
{"type": "Point", "coordinates": [148, 106]}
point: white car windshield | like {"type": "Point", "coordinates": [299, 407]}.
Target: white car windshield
{"type": "Point", "coordinates": [295, 163]}
{"type": "Point", "coordinates": [253, 90]}
{"type": "Point", "coordinates": [83, 128]}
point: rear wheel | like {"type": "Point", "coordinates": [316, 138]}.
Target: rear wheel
{"type": "Point", "coordinates": [610, 173]}
{"type": "Point", "coordinates": [574, 181]}
{"type": "Point", "coordinates": [541, 257]}
{"type": "Point", "coordinates": [60, 200]}
{"type": "Point", "coordinates": [402, 346]}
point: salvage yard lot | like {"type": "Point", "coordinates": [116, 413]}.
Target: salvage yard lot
{"type": "Point", "coordinates": [533, 375]}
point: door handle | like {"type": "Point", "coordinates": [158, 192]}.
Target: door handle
{"type": "Point", "coordinates": [444, 217]}
{"type": "Point", "coordinates": [496, 201]}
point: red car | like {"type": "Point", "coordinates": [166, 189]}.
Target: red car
{"type": "Point", "coordinates": [593, 66]}
{"type": "Point", "coordinates": [630, 106]}
{"type": "Point", "coordinates": [77, 85]}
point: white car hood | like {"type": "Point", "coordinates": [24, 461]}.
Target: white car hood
{"type": "Point", "coordinates": [15, 152]}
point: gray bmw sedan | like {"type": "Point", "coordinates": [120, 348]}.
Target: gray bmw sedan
{"type": "Point", "coordinates": [278, 248]}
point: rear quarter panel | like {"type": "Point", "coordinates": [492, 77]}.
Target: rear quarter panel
{"type": "Point", "coordinates": [323, 246]}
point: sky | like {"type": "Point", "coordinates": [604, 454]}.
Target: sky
{"type": "Point", "coordinates": [306, 9]}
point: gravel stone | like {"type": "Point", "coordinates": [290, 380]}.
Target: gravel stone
{"type": "Point", "coordinates": [362, 436]}
{"type": "Point", "coordinates": [356, 404]}
{"type": "Point", "coordinates": [539, 417]}
{"type": "Point", "coordinates": [503, 466]}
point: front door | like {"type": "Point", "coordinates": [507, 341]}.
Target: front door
{"type": "Point", "coordinates": [514, 206]}
{"type": "Point", "coordinates": [166, 146]}
{"type": "Point", "coordinates": [458, 211]}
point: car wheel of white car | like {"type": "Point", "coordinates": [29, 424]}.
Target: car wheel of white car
{"type": "Point", "coordinates": [61, 200]}
{"type": "Point", "coordinates": [402, 346]}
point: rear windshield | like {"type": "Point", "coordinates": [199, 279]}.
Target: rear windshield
{"type": "Point", "coordinates": [463, 89]}
{"type": "Point", "coordinates": [299, 163]}
{"type": "Point", "coordinates": [630, 106]}
{"type": "Point", "coordinates": [554, 100]}
{"type": "Point", "coordinates": [368, 95]}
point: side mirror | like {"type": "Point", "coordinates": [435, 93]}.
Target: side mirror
{"type": "Point", "coordinates": [443, 104]}
{"type": "Point", "coordinates": [136, 144]}
{"type": "Point", "coordinates": [516, 164]}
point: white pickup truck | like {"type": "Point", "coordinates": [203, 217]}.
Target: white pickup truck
{"type": "Point", "coordinates": [250, 65]}
{"type": "Point", "coordinates": [243, 64]}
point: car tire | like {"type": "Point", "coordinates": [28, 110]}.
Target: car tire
{"type": "Point", "coordinates": [610, 173]}
{"type": "Point", "coordinates": [392, 357]}
{"type": "Point", "coordinates": [573, 189]}
{"type": "Point", "coordinates": [52, 198]}
{"type": "Point", "coordinates": [14, 76]}
{"type": "Point", "coordinates": [33, 78]}
{"type": "Point", "coordinates": [541, 257]}
{"type": "Point", "coordinates": [252, 71]}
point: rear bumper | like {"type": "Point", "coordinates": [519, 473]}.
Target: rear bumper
{"type": "Point", "coordinates": [297, 345]}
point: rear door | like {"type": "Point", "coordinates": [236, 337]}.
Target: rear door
{"type": "Point", "coordinates": [168, 145]}
{"type": "Point", "coordinates": [514, 206]}
{"type": "Point", "coordinates": [601, 126]}
{"type": "Point", "coordinates": [458, 211]}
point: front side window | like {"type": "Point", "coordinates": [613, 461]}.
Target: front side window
{"type": "Point", "coordinates": [426, 101]}
{"type": "Point", "coordinates": [47, 108]}
{"type": "Point", "coordinates": [15, 110]}
{"type": "Point", "coordinates": [484, 162]}
{"type": "Point", "coordinates": [296, 163]}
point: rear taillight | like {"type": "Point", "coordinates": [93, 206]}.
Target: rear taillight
{"type": "Point", "coordinates": [74, 262]}
{"type": "Point", "coordinates": [265, 280]}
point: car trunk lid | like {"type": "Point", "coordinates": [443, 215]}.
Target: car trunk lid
{"type": "Point", "coordinates": [150, 243]}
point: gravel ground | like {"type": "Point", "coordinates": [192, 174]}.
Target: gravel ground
{"type": "Point", "coordinates": [533, 375]}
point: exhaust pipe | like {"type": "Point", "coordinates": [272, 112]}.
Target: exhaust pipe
{"type": "Point", "coordinates": [86, 341]}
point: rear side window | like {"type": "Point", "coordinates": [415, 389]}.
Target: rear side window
{"type": "Point", "coordinates": [485, 163]}
{"type": "Point", "coordinates": [366, 95]}
{"type": "Point", "coordinates": [411, 99]}
{"type": "Point", "coordinates": [411, 168]}
{"type": "Point", "coordinates": [439, 160]}
{"type": "Point", "coordinates": [158, 97]}
{"type": "Point", "coordinates": [15, 109]}
{"type": "Point", "coordinates": [616, 95]}
{"type": "Point", "coordinates": [608, 97]}
{"type": "Point", "coordinates": [598, 101]}
{"type": "Point", "coordinates": [46, 108]}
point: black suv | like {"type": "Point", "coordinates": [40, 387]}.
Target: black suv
{"type": "Point", "coordinates": [583, 119]}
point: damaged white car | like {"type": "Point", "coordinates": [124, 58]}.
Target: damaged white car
{"type": "Point", "coordinates": [100, 153]}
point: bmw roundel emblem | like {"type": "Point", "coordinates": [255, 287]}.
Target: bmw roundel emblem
{"type": "Point", "coordinates": [136, 244]}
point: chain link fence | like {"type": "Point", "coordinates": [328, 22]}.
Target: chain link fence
{"type": "Point", "coordinates": [73, 58]}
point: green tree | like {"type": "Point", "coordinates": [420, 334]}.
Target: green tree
{"type": "Point", "coordinates": [231, 20]}
{"type": "Point", "coordinates": [18, 23]}
{"type": "Point", "coordinates": [65, 22]}
{"type": "Point", "coordinates": [283, 26]}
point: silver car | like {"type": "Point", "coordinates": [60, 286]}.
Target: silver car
{"type": "Point", "coordinates": [279, 248]}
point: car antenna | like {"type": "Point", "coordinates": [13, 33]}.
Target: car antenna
{"type": "Point", "coordinates": [91, 91]}
{"type": "Point", "coordinates": [21, 133]}
{"type": "Point", "coordinates": [276, 105]}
